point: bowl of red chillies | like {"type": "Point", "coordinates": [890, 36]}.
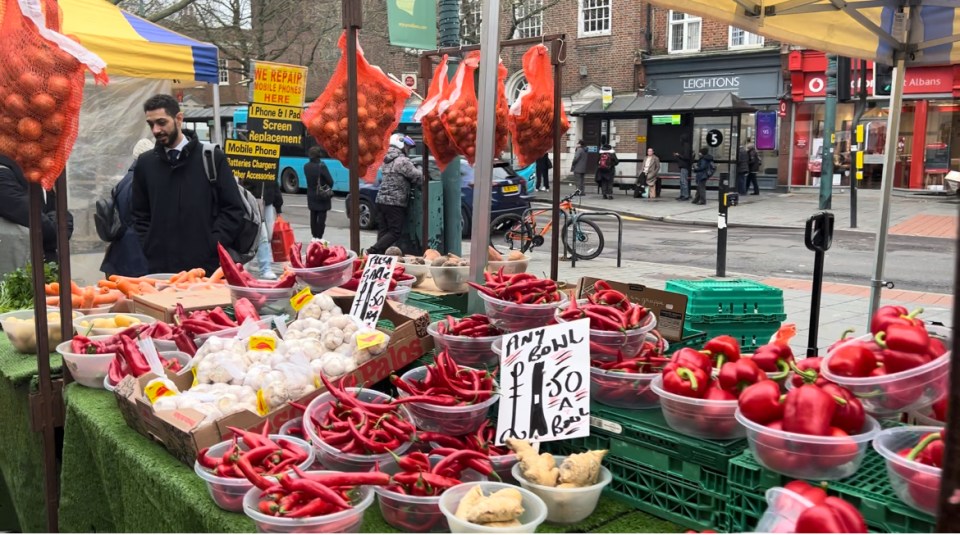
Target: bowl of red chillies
{"type": "Point", "coordinates": [301, 517]}
{"type": "Point", "coordinates": [333, 272]}
{"type": "Point", "coordinates": [614, 330]}
{"type": "Point", "coordinates": [219, 467]}
{"type": "Point", "coordinates": [468, 340]}
{"type": "Point", "coordinates": [460, 409]}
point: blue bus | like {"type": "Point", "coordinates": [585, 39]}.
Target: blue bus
{"type": "Point", "coordinates": [293, 157]}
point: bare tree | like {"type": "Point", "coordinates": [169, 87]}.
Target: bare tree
{"type": "Point", "coordinates": [153, 10]}
{"type": "Point", "coordinates": [523, 18]}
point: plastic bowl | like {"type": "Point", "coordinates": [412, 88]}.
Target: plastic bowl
{"type": "Point", "coordinates": [400, 294]}
{"type": "Point", "coordinates": [452, 279]}
{"type": "Point", "coordinates": [103, 309]}
{"type": "Point", "coordinates": [416, 514]}
{"type": "Point", "coordinates": [609, 344]}
{"type": "Point", "coordinates": [99, 331]}
{"type": "Point", "coordinates": [331, 457]}
{"type": "Point", "coordinates": [348, 521]}
{"type": "Point", "coordinates": [924, 416]}
{"type": "Point", "coordinates": [898, 392]}
{"type": "Point", "coordinates": [808, 456]}
{"type": "Point", "coordinates": [407, 280]}
{"type": "Point", "coordinates": [267, 301]}
{"type": "Point", "coordinates": [23, 335]}
{"type": "Point", "coordinates": [419, 271]}
{"type": "Point", "coordinates": [88, 370]}
{"type": "Point", "coordinates": [783, 509]}
{"type": "Point", "coordinates": [265, 323]}
{"type": "Point", "coordinates": [457, 420]}
{"type": "Point", "coordinates": [917, 484]}
{"type": "Point", "coordinates": [228, 492]}
{"type": "Point", "coordinates": [510, 267]}
{"type": "Point", "coordinates": [285, 429]}
{"type": "Point", "coordinates": [326, 277]}
{"type": "Point", "coordinates": [534, 509]}
{"type": "Point", "coordinates": [623, 390]}
{"type": "Point", "coordinates": [701, 418]}
{"type": "Point", "coordinates": [466, 351]}
{"type": "Point", "coordinates": [503, 466]}
{"type": "Point", "coordinates": [566, 506]}
{"type": "Point", "coordinates": [512, 317]}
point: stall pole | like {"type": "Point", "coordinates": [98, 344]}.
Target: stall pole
{"type": "Point", "coordinates": [426, 66]}
{"type": "Point", "coordinates": [818, 237]}
{"type": "Point", "coordinates": [352, 21]}
{"type": "Point", "coordinates": [63, 261]}
{"type": "Point", "coordinates": [948, 519]}
{"type": "Point", "coordinates": [217, 137]}
{"type": "Point", "coordinates": [829, 125]}
{"type": "Point", "coordinates": [856, 134]}
{"type": "Point", "coordinates": [556, 48]}
{"type": "Point", "coordinates": [793, 131]}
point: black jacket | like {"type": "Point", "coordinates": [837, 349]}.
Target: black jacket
{"type": "Point", "coordinates": [173, 208]}
{"type": "Point", "coordinates": [317, 171]}
{"type": "Point", "coordinates": [15, 207]}
{"type": "Point", "coordinates": [684, 159]}
{"type": "Point", "coordinates": [125, 256]}
{"type": "Point", "coordinates": [266, 190]}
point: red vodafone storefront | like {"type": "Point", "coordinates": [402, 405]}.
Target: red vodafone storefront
{"type": "Point", "coordinates": [929, 137]}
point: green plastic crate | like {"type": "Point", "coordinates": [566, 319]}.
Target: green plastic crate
{"type": "Point", "coordinates": [868, 490]}
{"type": "Point", "coordinates": [750, 334]}
{"type": "Point", "coordinates": [710, 297]}
{"type": "Point", "coordinates": [691, 338]}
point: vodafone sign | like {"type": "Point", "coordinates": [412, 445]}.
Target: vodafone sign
{"type": "Point", "coordinates": [918, 80]}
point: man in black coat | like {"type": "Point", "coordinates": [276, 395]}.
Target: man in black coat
{"type": "Point", "coordinates": [178, 213]}
{"type": "Point", "coordinates": [15, 207]}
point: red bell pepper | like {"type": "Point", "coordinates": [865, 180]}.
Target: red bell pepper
{"type": "Point", "coordinates": [899, 361]}
{"type": "Point", "coordinates": [940, 409]}
{"type": "Point", "coordinates": [244, 309]}
{"type": "Point", "coordinates": [296, 257]}
{"type": "Point", "coordinates": [893, 315]}
{"type": "Point", "coordinates": [808, 410]}
{"type": "Point", "coordinates": [737, 375]}
{"type": "Point", "coordinates": [924, 489]}
{"type": "Point", "coordinates": [774, 359]}
{"type": "Point", "coordinates": [760, 402]}
{"type": "Point", "coordinates": [849, 414]}
{"type": "Point", "coordinates": [688, 382]}
{"type": "Point", "coordinates": [853, 359]}
{"type": "Point", "coordinates": [723, 349]}
{"type": "Point", "coordinates": [229, 267]}
{"type": "Point", "coordinates": [715, 393]}
{"type": "Point", "coordinates": [838, 453]}
{"type": "Point", "coordinates": [774, 452]}
{"type": "Point", "coordinates": [937, 348]}
{"type": "Point", "coordinates": [690, 358]}
{"type": "Point", "coordinates": [834, 515]}
{"type": "Point", "coordinates": [906, 338]}
{"type": "Point", "coordinates": [816, 495]}
{"type": "Point", "coordinates": [929, 451]}
{"type": "Point", "coordinates": [807, 371]}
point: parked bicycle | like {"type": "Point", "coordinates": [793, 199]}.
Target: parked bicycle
{"type": "Point", "coordinates": [525, 233]}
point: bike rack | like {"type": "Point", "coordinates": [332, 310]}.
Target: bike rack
{"type": "Point", "coordinates": [581, 215]}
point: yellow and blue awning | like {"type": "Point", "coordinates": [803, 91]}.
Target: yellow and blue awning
{"type": "Point", "coordinates": [135, 47]}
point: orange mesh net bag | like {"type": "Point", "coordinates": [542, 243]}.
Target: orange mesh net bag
{"type": "Point", "coordinates": [434, 134]}
{"type": "Point", "coordinates": [41, 88]}
{"type": "Point", "coordinates": [531, 115]}
{"type": "Point", "coordinates": [380, 102]}
{"type": "Point", "coordinates": [458, 111]}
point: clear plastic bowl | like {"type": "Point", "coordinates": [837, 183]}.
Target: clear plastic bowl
{"type": "Point", "coordinates": [331, 457]}
{"type": "Point", "coordinates": [23, 335]}
{"type": "Point", "coordinates": [99, 331]}
{"type": "Point", "coordinates": [416, 514]}
{"type": "Point", "coordinates": [897, 392]}
{"type": "Point", "coordinates": [326, 277]}
{"type": "Point", "coordinates": [534, 509]}
{"type": "Point", "coordinates": [267, 301]}
{"type": "Point", "coordinates": [451, 279]}
{"type": "Point", "coordinates": [566, 506]}
{"type": "Point", "coordinates": [419, 271]}
{"type": "Point", "coordinates": [292, 424]}
{"type": "Point", "coordinates": [407, 280]}
{"type": "Point", "coordinates": [400, 294]}
{"type": "Point", "coordinates": [466, 351]}
{"type": "Point", "coordinates": [512, 317]}
{"type": "Point", "coordinates": [88, 370]}
{"type": "Point", "coordinates": [701, 418]}
{"type": "Point", "coordinates": [924, 416]}
{"type": "Point", "coordinates": [808, 456]}
{"type": "Point", "coordinates": [228, 492]}
{"type": "Point", "coordinates": [783, 509]}
{"type": "Point", "coordinates": [612, 343]}
{"type": "Point", "coordinates": [510, 267]}
{"type": "Point", "coordinates": [348, 521]}
{"type": "Point", "coordinates": [456, 420]}
{"type": "Point", "coordinates": [265, 323]}
{"type": "Point", "coordinates": [103, 309]}
{"type": "Point", "coordinates": [623, 390]}
{"type": "Point", "coordinates": [917, 484]}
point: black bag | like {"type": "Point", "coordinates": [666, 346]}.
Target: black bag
{"type": "Point", "coordinates": [245, 244]}
{"type": "Point", "coordinates": [106, 218]}
{"type": "Point", "coordinates": [324, 192]}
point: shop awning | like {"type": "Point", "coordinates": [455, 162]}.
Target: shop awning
{"type": "Point", "coordinates": [134, 47]}
{"type": "Point", "coordinates": [633, 106]}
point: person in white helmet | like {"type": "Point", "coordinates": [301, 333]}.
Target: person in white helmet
{"type": "Point", "coordinates": [399, 174]}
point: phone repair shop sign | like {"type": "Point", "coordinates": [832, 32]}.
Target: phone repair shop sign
{"type": "Point", "coordinates": [253, 161]}
{"type": "Point", "coordinates": [279, 125]}
{"type": "Point", "coordinates": [278, 84]}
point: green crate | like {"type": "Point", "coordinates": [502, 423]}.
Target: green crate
{"type": "Point", "coordinates": [691, 338]}
{"type": "Point", "coordinates": [868, 490]}
{"type": "Point", "coordinates": [741, 296]}
{"type": "Point", "coordinates": [456, 302]}
{"type": "Point", "coordinates": [749, 334]}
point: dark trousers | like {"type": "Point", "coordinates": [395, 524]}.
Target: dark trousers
{"type": "Point", "coordinates": [318, 223]}
{"type": "Point", "coordinates": [701, 191]}
{"type": "Point", "coordinates": [752, 179]}
{"type": "Point", "coordinates": [390, 222]}
{"type": "Point", "coordinates": [543, 178]}
{"type": "Point", "coordinates": [741, 183]}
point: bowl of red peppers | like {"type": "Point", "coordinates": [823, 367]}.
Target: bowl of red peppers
{"type": "Point", "coordinates": [617, 326]}
{"type": "Point", "coordinates": [323, 267]}
{"type": "Point", "coordinates": [625, 383]}
{"type": "Point", "coordinates": [468, 340]}
{"type": "Point", "coordinates": [519, 302]}
{"type": "Point", "coordinates": [799, 507]}
{"type": "Point", "coordinates": [914, 458]}
{"type": "Point", "coordinates": [903, 364]}
{"type": "Point", "coordinates": [228, 466]}
{"type": "Point", "coordinates": [89, 369]}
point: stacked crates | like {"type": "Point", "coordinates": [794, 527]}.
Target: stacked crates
{"type": "Point", "coordinates": [749, 311]}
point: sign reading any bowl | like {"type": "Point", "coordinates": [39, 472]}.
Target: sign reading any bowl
{"type": "Point", "coordinates": [544, 383]}
{"type": "Point", "coordinates": [372, 290]}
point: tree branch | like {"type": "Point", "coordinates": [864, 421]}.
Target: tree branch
{"type": "Point", "coordinates": [164, 13]}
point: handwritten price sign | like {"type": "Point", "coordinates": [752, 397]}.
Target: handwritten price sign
{"type": "Point", "coordinates": [372, 291]}
{"type": "Point", "coordinates": [545, 383]}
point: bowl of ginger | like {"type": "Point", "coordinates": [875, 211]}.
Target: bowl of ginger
{"type": "Point", "coordinates": [491, 507]}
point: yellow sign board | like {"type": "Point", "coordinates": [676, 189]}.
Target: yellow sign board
{"type": "Point", "coordinates": [641, 139]}
{"type": "Point", "coordinates": [859, 133]}
{"type": "Point", "coordinates": [860, 160]}
{"type": "Point", "coordinates": [253, 161]}
{"type": "Point", "coordinates": [279, 84]}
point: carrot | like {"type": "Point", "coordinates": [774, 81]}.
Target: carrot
{"type": "Point", "coordinates": [88, 295]}
{"type": "Point", "coordinates": [217, 275]}
{"type": "Point", "coordinates": [106, 298]}
{"type": "Point", "coordinates": [128, 287]}
{"type": "Point", "coordinates": [52, 289]}
{"type": "Point", "coordinates": [147, 288]}
{"type": "Point", "coordinates": [198, 272]}
{"type": "Point", "coordinates": [179, 277]}
{"type": "Point", "coordinates": [53, 301]}
{"type": "Point", "coordinates": [75, 289]}
{"type": "Point", "coordinates": [107, 284]}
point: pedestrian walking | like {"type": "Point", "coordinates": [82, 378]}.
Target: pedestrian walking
{"type": "Point", "coordinates": [579, 165]}
{"type": "Point", "coordinates": [124, 255]}
{"type": "Point", "coordinates": [319, 190]}
{"type": "Point", "coordinates": [399, 174]}
{"type": "Point", "coordinates": [753, 161]}
{"type": "Point", "coordinates": [651, 173]}
{"type": "Point", "coordinates": [685, 162]}
{"type": "Point", "coordinates": [607, 169]}
{"type": "Point", "coordinates": [178, 213]}
{"type": "Point", "coordinates": [268, 191]}
{"type": "Point", "coordinates": [704, 169]}
{"type": "Point", "coordinates": [743, 167]}
{"type": "Point", "coordinates": [543, 172]}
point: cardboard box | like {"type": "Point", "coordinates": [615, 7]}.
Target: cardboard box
{"type": "Point", "coordinates": [162, 305]}
{"type": "Point", "coordinates": [669, 307]}
{"type": "Point", "coordinates": [180, 433]}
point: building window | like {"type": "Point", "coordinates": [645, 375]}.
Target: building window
{"type": "Point", "coordinates": [594, 17]}
{"type": "Point", "coordinates": [224, 72]}
{"type": "Point", "coordinates": [515, 85]}
{"type": "Point", "coordinates": [470, 19]}
{"type": "Point", "coordinates": [529, 13]}
{"type": "Point", "coordinates": [743, 39]}
{"type": "Point", "coordinates": [684, 33]}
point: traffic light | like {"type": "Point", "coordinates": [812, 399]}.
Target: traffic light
{"type": "Point", "coordinates": [882, 79]}
{"type": "Point", "coordinates": [843, 79]}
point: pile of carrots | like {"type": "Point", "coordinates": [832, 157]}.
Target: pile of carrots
{"type": "Point", "coordinates": [114, 288]}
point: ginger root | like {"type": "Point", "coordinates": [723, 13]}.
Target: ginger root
{"type": "Point", "coordinates": [581, 469]}
{"type": "Point", "coordinates": [537, 468]}
{"type": "Point", "coordinates": [500, 509]}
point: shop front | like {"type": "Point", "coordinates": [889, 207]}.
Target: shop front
{"type": "Point", "coordinates": [928, 143]}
